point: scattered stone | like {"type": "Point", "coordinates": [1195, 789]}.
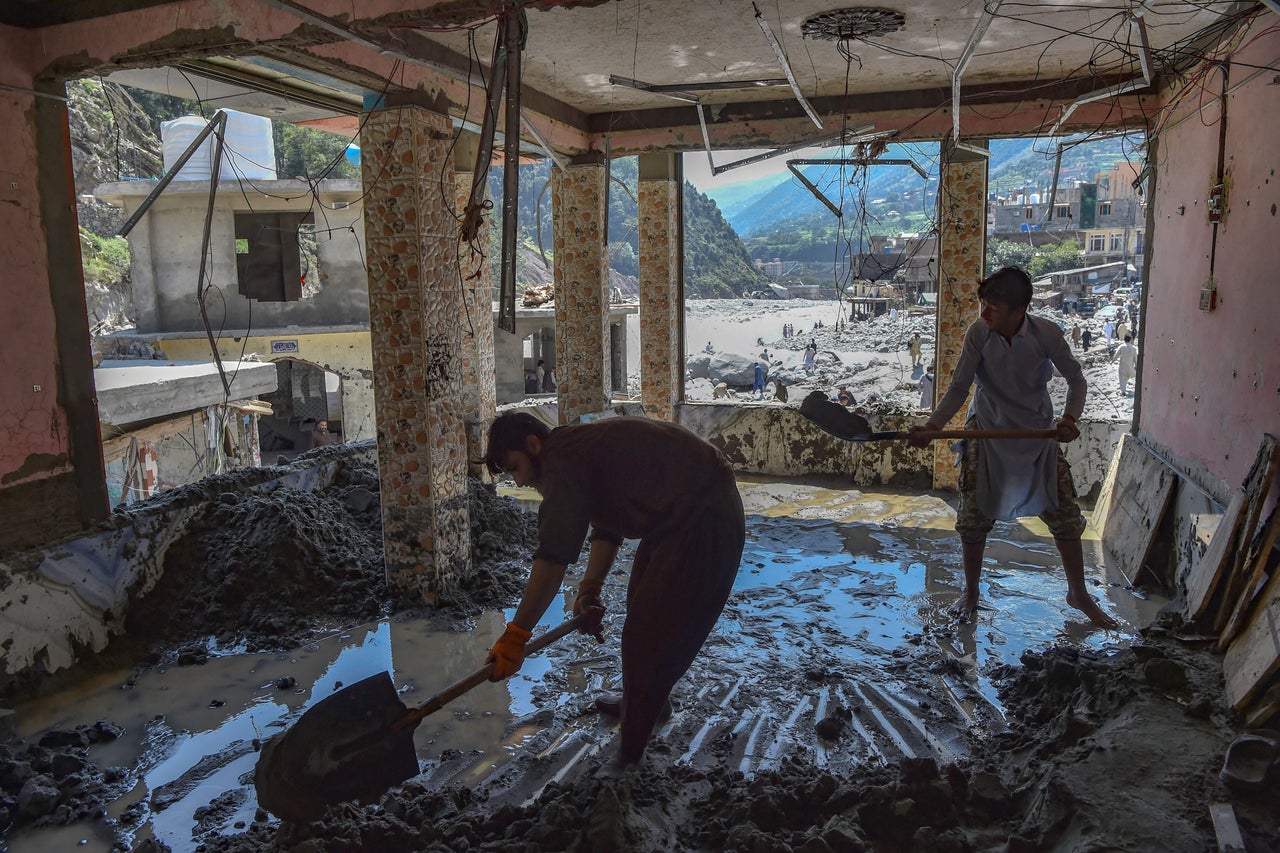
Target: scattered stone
{"type": "Point", "coordinates": [38, 797]}
{"type": "Point", "coordinates": [1164, 673]}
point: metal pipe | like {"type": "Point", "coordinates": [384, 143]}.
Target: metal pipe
{"type": "Point", "coordinates": [473, 215]}
{"type": "Point", "coordinates": [674, 92]}
{"type": "Point", "coordinates": [533, 130]}
{"type": "Point", "coordinates": [1144, 62]}
{"type": "Point", "coordinates": [978, 32]}
{"type": "Point", "coordinates": [787, 149]}
{"type": "Point", "coordinates": [862, 161]}
{"type": "Point", "coordinates": [510, 171]}
{"type": "Point", "coordinates": [706, 139]}
{"type": "Point", "coordinates": [171, 175]}
{"type": "Point", "coordinates": [786, 67]}
{"type": "Point", "coordinates": [219, 122]}
{"type": "Point", "coordinates": [813, 189]}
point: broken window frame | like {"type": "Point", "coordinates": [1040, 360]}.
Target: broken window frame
{"type": "Point", "coordinates": [272, 269]}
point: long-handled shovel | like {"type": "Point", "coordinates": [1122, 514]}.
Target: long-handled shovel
{"type": "Point", "coordinates": [357, 743]}
{"type": "Point", "coordinates": [835, 419]}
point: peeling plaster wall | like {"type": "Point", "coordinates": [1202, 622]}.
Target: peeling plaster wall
{"type": "Point", "coordinates": [1211, 380]}
{"type": "Point", "coordinates": [779, 441]}
{"type": "Point", "coordinates": [37, 492]}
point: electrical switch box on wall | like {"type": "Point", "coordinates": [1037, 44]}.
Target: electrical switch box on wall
{"type": "Point", "coordinates": [1208, 297]}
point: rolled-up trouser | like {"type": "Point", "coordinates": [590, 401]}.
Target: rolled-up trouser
{"type": "Point", "coordinates": [1066, 522]}
{"type": "Point", "coordinates": [680, 581]}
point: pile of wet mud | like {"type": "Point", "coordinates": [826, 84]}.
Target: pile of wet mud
{"type": "Point", "coordinates": [268, 570]}
{"type": "Point", "coordinates": [1122, 750]}
{"type": "Point", "coordinates": [1114, 750]}
{"type": "Point", "coordinates": [52, 782]}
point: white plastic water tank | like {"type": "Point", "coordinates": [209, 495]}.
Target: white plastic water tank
{"type": "Point", "coordinates": [249, 151]}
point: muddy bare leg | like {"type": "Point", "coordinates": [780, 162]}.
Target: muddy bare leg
{"type": "Point", "coordinates": [1077, 594]}
{"type": "Point", "coordinates": [967, 606]}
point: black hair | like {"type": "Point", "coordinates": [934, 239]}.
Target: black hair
{"type": "Point", "coordinates": [1128, 339]}
{"type": "Point", "coordinates": [508, 432]}
{"type": "Point", "coordinates": [1010, 286]}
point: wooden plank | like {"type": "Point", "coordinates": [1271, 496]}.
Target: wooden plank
{"type": "Point", "coordinates": [1254, 657]}
{"type": "Point", "coordinates": [1233, 580]}
{"type": "Point", "coordinates": [1102, 506]}
{"type": "Point", "coordinates": [114, 448]}
{"type": "Point", "coordinates": [1256, 566]}
{"type": "Point", "coordinates": [1262, 710]}
{"type": "Point", "coordinates": [1202, 584]}
{"type": "Point", "coordinates": [1141, 490]}
{"type": "Point", "coordinates": [1195, 518]}
{"type": "Point", "coordinates": [1226, 829]}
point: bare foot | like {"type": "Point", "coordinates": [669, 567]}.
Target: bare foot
{"type": "Point", "coordinates": [1086, 605]}
{"type": "Point", "coordinates": [616, 769]}
{"type": "Point", "coordinates": [965, 609]}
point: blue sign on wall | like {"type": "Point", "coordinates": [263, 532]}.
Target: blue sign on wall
{"type": "Point", "coordinates": [284, 346]}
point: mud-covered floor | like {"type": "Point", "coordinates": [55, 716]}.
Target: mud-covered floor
{"type": "Point", "coordinates": [836, 707]}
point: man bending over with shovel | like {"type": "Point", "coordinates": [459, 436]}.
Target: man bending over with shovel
{"type": "Point", "coordinates": [631, 478]}
{"type": "Point", "coordinates": [1011, 354]}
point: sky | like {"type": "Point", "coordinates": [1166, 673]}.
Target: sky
{"type": "Point", "coordinates": [697, 170]}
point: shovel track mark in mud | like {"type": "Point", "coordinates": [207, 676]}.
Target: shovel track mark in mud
{"type": "Point", "coordinates": [1058, 779]}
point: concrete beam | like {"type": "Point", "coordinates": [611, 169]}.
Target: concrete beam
{"type": "Point", "coordinates": [922, 114]}
{"type": "Point", "coordinates": [133, 391]}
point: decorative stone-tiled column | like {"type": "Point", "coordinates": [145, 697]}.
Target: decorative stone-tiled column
{"type": "Point", "coordinates": [661, 348]}
{"type": "Point", "coordinates": [578, 196]}
{"type": "Point", "coordinates": [416, 318]}
{"type": "Point", "coordinates": [479, 389]}
{"type": "Point", "coordinates": [962, 221]}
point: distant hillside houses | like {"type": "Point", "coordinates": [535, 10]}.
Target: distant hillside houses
{"type": "Point", "coordinates": [1106, 216]}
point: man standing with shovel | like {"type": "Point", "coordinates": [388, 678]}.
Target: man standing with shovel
{"type": "Point", "coordinates": [1012, 355]}
{"type": "Point", "coordinates": [631, 478]}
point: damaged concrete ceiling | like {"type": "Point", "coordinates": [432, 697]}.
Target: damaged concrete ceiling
{"type": "Point", "coordinates": [896, 57]}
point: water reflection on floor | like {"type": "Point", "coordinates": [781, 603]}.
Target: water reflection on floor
{"type": "Point", "coordinates": [828, 574]}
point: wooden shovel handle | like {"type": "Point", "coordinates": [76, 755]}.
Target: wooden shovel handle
{"type": "Point", "coordinates": [971, 433]}
{"type": "Point", "coordinates": [481, 675]}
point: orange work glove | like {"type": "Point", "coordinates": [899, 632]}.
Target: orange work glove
{"type": "Point", "coordinates": [508, 653]}
{"type": "Point", "coordinates": [588, 602]}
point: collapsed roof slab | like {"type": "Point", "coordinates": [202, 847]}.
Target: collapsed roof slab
{"type": "Point", "coordinates": [134, 391]}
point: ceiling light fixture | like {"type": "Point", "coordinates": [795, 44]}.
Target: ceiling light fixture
{"type": "Point", "coordinates": [857, 23]}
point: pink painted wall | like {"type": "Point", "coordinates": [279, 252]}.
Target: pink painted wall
{"type": "Point", "coordinates": [1211, 380]}
{"type": "Point", "coordinates": [33, 433]}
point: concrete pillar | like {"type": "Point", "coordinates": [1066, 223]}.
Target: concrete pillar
{"type": "Point", "coordinates": [661, 284]}
{"type": "Point", "coordinates": [479, 381]}
{"type": "Point", "coordinates": [579, 217]}
{"type": "Point", "coordinates": [416, 318]}
{"type": "Point", "coordinates": [962, 248]}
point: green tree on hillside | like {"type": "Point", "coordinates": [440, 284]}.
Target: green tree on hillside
{"type": "Point", "coordinates": [1008, 253]}
{"type": "Point", "coordinates": [1036, 260]}
{"type": "Point", "coordinates": [1064, 256]}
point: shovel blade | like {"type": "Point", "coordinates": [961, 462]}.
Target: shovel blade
{"type": "Point", "coordinates": [345, 747]}
{"type": "Point", "coordinates": [835, 419]}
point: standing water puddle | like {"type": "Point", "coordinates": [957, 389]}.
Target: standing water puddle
{"type": "Point", "coordinates": [829, 587]}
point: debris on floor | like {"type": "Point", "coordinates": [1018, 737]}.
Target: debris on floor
{"type": "Point", "coordinates": [835, 707]}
